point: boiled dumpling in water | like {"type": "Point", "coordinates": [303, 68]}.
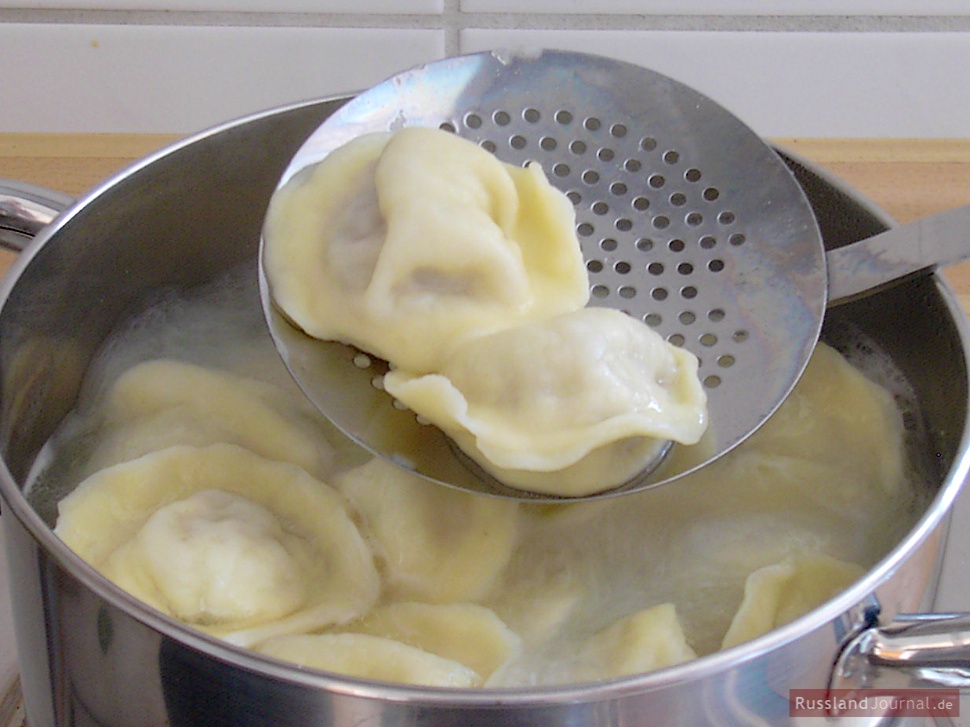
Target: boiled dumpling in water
{"type": "Point", "coordinates": [404, 243]}
{"type": "Point", "coordinates": [837, 441]}
{"type": "Point", "coordinates": [468, 633]}
{"type": "Point", "coordinates": [224, 540]}
{"type": "Point", "coordinates": [538, 606]}
{"type": "Point", "coordinates": [646, 640]}
{"type": "Point", "coordinates": [163, 402]}
{"type": "Point", "coordinates": [778, 594]}
{"type": "Point", "coordinates": [370, 657]}
{"type": "Point", "coordinates": [643, 641]}
{"type": "Point", "coordinates": [530, 403]}
{"type": "Point", "coordinates": [435, 544]}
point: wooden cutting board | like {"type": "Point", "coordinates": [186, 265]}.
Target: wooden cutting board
{"type": "Point", "coordinates": [907, 178]}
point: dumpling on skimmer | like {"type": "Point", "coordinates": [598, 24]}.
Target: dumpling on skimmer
{"type": "Point", "coordinates": [404, 243]}
{"type": "Point", "coordinates": [570, 406]}
{"type": "Point", "coordinates": [467, 276]}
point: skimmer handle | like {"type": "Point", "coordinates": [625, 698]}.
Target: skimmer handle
{"type": "Point", "coordinates": [898, 254]}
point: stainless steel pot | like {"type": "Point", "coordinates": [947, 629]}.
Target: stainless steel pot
{"type": "Point", "coordinates": [90, 654]}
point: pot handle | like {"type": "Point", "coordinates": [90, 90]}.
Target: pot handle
{"type": "Point", "coordinates": [25, 210]}
{"type": "Point", "coordinates": [921, 649]}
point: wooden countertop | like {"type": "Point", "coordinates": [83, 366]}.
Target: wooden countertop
{"type": "Point", "coordinates": [907, 178]}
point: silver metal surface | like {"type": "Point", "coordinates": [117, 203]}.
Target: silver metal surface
{"type": "Point", "coordinates": [687, 220]}
{"type": "Point", "coordinates": [87, 647]}
{"type": "Point", "coordinates": [911, 650]}
{"type": "Point", "coordinates": [12, 705]}
{"type": "Point", "coordinates": [25, 210]}
{"type": "Point", "coordinates": [889, 258]}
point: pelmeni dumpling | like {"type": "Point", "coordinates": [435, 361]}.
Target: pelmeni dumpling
{"type": "Point", "coordinates": [404, 243]}
{"type": "Point", "coordinates": [464, 632]}
{"type": "Point", "coordinates": [646, 640]}
{"type": "Point", "coordinates": [163, 402]}
{"type": "Point", "coordinates": [537, 607]}
{"type": "Point", "coordinates": [777, 594]}
{"type": "Point", "coordinates": [643, 641]}
{"type": "Point", "coordinates": [370, 657]}
{"type": "Point", "coordinates": [838, 441]}
{"type": "Point", "coordinates": [541, 397]}
{"type": "Point", "coordinates": [222, 539]}
{"type": "Point", "coordinates": [434, 543]}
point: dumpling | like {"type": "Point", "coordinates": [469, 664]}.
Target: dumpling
{"type": "Point", "coordinates": [239, 546]}
{"type": "Point", "coordinates": [370, 657]}
{"type": "Point", "coordinates": [434, 543]}
{"type": "Point", "coordinates": [777, 594]}
{"type": "Point", "coordinates": [833, 457]}
{"type": "Point", "coordinates": [837, 402]}
{"type": "Point", "coordinates": [466, 275]}
{"type": "Point", "coordinates": [163, 402]}
{"type": "Point", "coordinates": [838, 440]}
{"type": "Point", "coordinates": [464, 632]}
{"type": "Point", "coordinates": [541, 397]}
{"type": "Point", "coordinates": [647, 640]}
{"type": "Point", "coordinates": [538, 607]}
{"type": "Point", "coordinates": [404, 243]}
{"type": "Point", "coordinates": [643, 641]}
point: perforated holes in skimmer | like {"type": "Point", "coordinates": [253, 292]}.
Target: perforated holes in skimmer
{"type": "Point", "coordinates": [651, 224]}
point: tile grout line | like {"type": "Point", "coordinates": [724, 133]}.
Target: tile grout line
{"type": "Point", "coordinates": [452, 25]}
{"type": "Point", "coordinates": [452, 20]}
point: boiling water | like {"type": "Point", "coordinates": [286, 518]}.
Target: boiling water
{"type": "Point", "coordinates": [578, 567]}
{"type": "Point", "coordinates": [219, 326]}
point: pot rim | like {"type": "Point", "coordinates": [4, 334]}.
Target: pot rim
{"type": "Point", "coordinates": [16, 504]}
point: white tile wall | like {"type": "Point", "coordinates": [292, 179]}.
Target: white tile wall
{"type": "Point", "coordinates": [268, 6]}
{"type": "Point", "coordinates": [819, 68]}
{"type": "Point", "coordinates": [723, 7]}
{"type": "Point", "coordinates": [795, 84]}
{"type": "Point", "coordinates": [162, 79]}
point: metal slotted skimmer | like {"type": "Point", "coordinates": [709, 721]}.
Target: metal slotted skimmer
{"type": "Point", "coordinates": [688, 221]}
